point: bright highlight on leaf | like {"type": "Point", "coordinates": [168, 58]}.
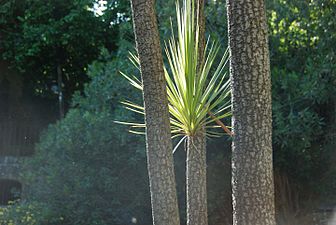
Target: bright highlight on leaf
{"type": "Point", "coordinates": [198, 95]}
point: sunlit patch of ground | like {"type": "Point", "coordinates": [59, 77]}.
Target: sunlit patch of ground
{"type": "Point", "coordinates": [332, 221]}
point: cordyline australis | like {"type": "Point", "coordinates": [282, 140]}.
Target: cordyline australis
{"type": "Point", "coordinates": [197, 97]}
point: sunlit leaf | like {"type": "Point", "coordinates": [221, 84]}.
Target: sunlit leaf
{"type": "Point", "coordinates": [192, 92]}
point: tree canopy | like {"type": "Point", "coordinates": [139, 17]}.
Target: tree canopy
{"type": "Point", "coordinates": [39, 36]}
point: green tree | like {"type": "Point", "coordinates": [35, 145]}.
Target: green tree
{"type": "Point", "coordinates": [86, 168]}
{"type": "Point", "coordinates": [303, 81]}
{"type": "Point", "coordinates": [47, 40]}
{"type": "Point", "coordinates": [303, 85]}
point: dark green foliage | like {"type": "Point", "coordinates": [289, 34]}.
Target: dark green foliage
{"type": "Point", "coordinates": [302, 36]}
{"type": "Point", "coordinates": [87, 169]}
{"type": "Point", "coordinates": [216, 22]}
{"type": "Point", "coordinates": [297, 124]}
{"type": "Point", "coordinates": [38, 36]}
{"type": "Point", "coordinates": [304, 81]}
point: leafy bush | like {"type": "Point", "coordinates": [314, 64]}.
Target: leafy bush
{"type": "Point", "coordinates": [32, 213]}
{"type": "Point", "coordinates": [87, 169]}
{"type": "Point", "coordinates": [303, 85]}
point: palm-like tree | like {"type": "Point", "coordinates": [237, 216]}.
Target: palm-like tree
{"type": "Point", "coordinates": [198, 95]}
{"type": "Point", "coordinates": [196, 99]}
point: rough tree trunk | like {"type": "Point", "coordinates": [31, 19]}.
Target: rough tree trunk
{"type": "Point", "coordinates": [199, 13]}
{"type": "Point", "coordinates": [197, 210]}
{"type": "Point", "coordinates": [158, 137]}
{"type": "Point", "coordinates": [196, 181]}
{"type": "Point", "coordinates": [252, 169]}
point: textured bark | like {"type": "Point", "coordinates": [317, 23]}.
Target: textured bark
{"type": "Point", "coordinates": [252, 169]}
{"type": "Point", "coordinates": [196, 181]}
{"type": "Point", "coordinates": [158, 137]}
{"type": "Point", "coordinates": [199, 8]}
{"type": "Point", "coordinates": [196, 149]}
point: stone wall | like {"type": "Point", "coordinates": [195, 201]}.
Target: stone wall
{"type": "Point", "coordinates": [9, 179]}
{"type": "Point", "coordinates": [9, 167]}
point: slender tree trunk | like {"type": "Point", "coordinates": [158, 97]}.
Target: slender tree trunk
{"type": "Point", "coordinates": [197, 212]}
{"type": "Point", "coordinates": [197, 209]}
{"type": "Point", "coordinates": [252, 168]}
{"type": "Point", "coordinates": [199, 8]}
{"type": "Point", "coordinates": [158, 137]}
